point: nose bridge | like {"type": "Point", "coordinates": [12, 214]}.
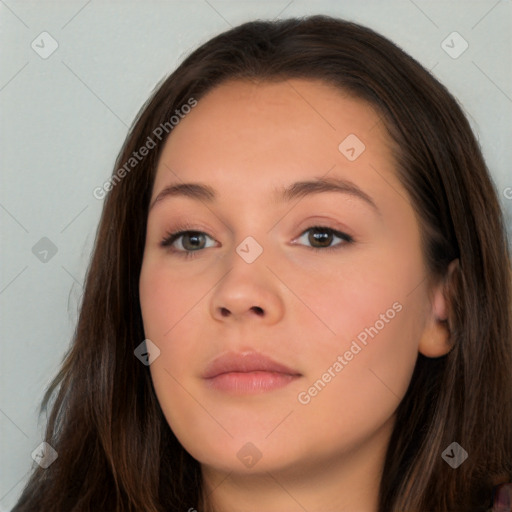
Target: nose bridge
{"type": "Point", "coordinates": [248, 288]}
{"type": "Point", "coordinates": [247, 262]}
{"type": "Point", "coordinates": [251, 229]}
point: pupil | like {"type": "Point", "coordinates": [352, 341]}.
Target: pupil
{"type": "Point", "coordinates": [321, 236]}
{"type": "Point", "coordinates": [193, 236]}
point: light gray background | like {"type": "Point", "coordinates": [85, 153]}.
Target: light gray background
{"type": "Point", "coordinates": [64, 118]}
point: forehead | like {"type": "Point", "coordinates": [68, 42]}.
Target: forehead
{"type": "Point", "coordinates": [252, 134]}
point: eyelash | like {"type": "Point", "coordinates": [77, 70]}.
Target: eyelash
{"type": "Point", "coordinates": [171, 237]}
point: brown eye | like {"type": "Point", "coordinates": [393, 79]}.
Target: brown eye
{"type": "Point", "coordinates": [321, 237]}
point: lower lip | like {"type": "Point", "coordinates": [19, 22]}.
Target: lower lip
{"type": "Point", "coordinates": [250, 382]}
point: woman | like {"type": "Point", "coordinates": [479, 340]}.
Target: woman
{"type": "Point", "coordinates": [299, 297]}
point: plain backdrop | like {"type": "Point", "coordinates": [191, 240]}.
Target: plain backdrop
{"type": "Point", "coordinates": [64, 116]}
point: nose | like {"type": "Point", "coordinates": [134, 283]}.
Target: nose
{"type": "Point", "coordinates": [247, 292]}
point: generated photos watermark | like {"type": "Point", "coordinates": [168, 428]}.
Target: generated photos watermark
{"type": "Point", "coordinates": [361, 341]}
{"type": "Point", "coordinates": [160, 132]}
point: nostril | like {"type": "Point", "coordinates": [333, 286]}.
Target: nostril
{"type": "Point", "coordinates": [258, 310]}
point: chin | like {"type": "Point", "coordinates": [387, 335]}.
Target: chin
{"type": "Point", "coordinates": [240, 455]}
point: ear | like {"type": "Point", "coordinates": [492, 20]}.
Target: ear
{"type": "Point", "coordinates": [436, 337]}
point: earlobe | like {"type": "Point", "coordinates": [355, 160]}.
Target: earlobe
{"type": "Point", "coordinates": [436, 338]}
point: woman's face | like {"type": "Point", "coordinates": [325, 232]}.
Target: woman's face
{"type": "Point", "coordinates": [339, 310]}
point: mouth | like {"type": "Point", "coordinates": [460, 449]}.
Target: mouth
{"type": "Point", "coordinates": [247, 373]}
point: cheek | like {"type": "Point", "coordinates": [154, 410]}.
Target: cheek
{"type": "Point", "coordinates": [360, 372]}
{"type": "Point", "coordinates": [369, 314]}
{"type": "Point", "coordinates": [170, 309]}
{"type": "Point", "coordinates": [185, 415]}
{"type": "Point", "coordinates": [361, 399]}
{"type": "Point", "coordinates": [166, 298]}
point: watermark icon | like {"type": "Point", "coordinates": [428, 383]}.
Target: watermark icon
{"type": "Point", "coordinates": [147, 352]}
{"type": "Point", "coordinates": [507, 192]}
{"type": "Point", "coordinates": [454, 455]}
{"type": "Point", "coordinates": [44, 250]}
{"type": "Point", "coordinates": [351, 147]}
{"type": "Point", "coordinates": [454, 45]}
{"type": "Point", "coordinates": [45, 455]}
{"type": "Point", "coordinates": [249, 250]}
{"type": "Point", "coordinates": [305, 397]}
{"type": "Point", "coordinates": [44, 45]}
{"type": "Point", "coordinates": [249, 455]}
{"type": "Point", "coordinates": [162, 130]}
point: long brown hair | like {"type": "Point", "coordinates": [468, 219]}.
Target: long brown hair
{"type": "Point", "coordinates": [115, 449]}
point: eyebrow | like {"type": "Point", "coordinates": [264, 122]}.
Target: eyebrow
{"type": "Point", "coordinates": [299, 189]}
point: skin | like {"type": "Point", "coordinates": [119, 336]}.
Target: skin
{"type": "Point", "coordinates": [244, 139]}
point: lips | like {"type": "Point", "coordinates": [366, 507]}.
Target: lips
{"type": "Point", "coordinates": [247, 373]}
{"type": "Point", "coordinates": [245, 363]}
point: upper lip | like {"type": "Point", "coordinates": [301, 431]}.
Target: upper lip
{"type": "Point", "coordinates": [244, 363]}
